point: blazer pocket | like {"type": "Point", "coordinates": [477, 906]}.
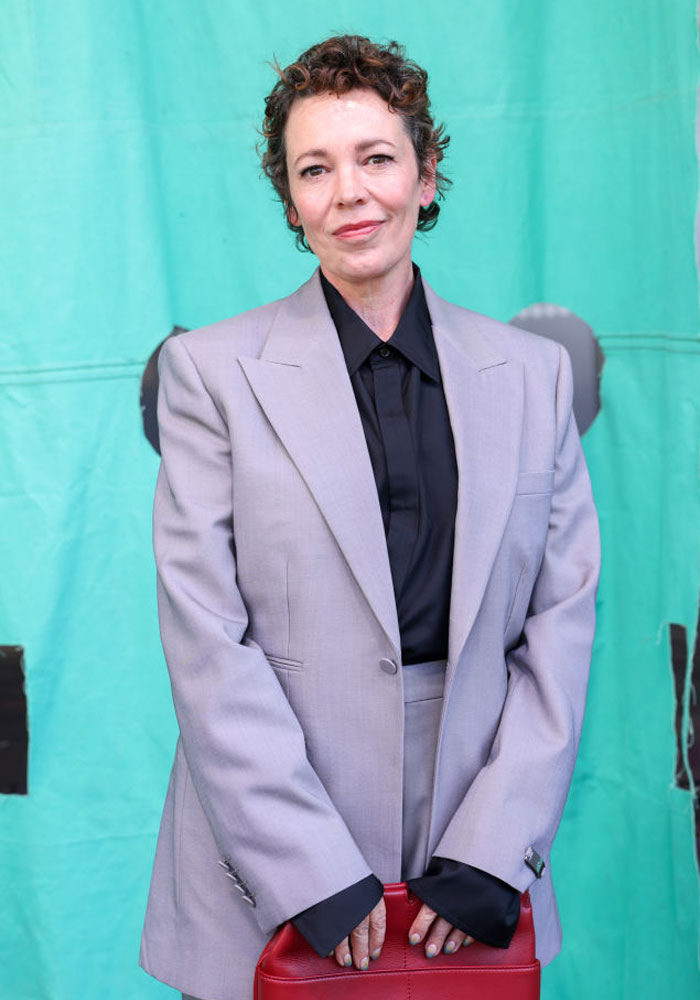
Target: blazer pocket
{"type": "Point", "coordinates": [538, 481]}
{"type": "Point", "coordinates": [285, 662]}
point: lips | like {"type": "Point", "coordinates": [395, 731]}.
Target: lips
{"type": "Point", "coordinates": [364, 228]}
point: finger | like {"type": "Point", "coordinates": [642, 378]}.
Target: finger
{"type": "Point", "coordinates": [420, 925]}
{"type": "Point", "coordinates": [359, 944]}
{"type": "Point", "coordinates": [468, 940]}
{"type": "Point", "coordinates": [377, 929]}
{"type": "Point", "coordinates": [437, 936]}
{"type": "Point", "coordinates": [454, 941]}
{"type": "Point", "coordinates": [342, 953]}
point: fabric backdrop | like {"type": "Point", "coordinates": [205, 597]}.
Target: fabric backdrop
{"type": "Point", "coordinates": [130, 202]}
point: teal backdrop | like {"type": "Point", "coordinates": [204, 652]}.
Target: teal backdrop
{"type": "Point", "coordinates": [130, 201]}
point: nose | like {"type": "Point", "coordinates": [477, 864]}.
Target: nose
{"type": "Point", "coordinates": [349, 186]}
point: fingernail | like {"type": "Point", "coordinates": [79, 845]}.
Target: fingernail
{"type": "Point", "coordinates": [450, 946]}
{"type": "Point", "coordinates": [414, 938]}
{"type": "Point", "coordinates": [347, 960]}
{"type": "Point", "coordinates": [364, 963]}
{"type": "Point", "coordinates": [376, 953]}
{"type": "Point", "coordinates": [431, 950]}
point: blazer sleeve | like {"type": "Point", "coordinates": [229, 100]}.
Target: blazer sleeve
{"type": "Point", "coordinates": [507, 820]}
{"type": "Point", "coordinates": [279, 835]}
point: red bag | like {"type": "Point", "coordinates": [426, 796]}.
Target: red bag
{"type": "Point", "coordinates": [289, 968]}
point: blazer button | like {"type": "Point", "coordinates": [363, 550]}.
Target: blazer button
{"type": "Point", "coordinates": [388, 666]}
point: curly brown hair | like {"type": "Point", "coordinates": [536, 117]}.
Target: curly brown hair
{"type": "Point", "coordinates": [340, 64]}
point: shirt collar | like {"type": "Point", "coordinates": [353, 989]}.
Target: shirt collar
{"type": "Point", "coordinates": [413, 336]}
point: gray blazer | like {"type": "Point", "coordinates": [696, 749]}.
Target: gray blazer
{"type": "Point", "coordinates": [280, 630]}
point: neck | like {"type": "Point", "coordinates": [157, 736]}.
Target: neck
{"type": "Point", "coordinates": [380, 301]}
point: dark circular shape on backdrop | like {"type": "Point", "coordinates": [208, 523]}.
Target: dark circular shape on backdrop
{"type": "Point", "coordinates": [587, 358]}
{"type": "Point", "coordinates": [149, 393]}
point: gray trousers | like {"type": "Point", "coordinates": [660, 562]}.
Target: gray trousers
{"type": "Point", "coordinates": [423, 685]}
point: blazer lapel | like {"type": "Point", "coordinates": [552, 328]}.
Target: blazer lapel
{"type": "Point", "coordinates": [484, 395]}
{"type": "Point", "coordinates": [302, 384]}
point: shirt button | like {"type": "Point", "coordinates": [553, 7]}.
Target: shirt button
{"type": "Point", "coordinates": [388, 666]}
{"type": "Point", "coordinates": [385, 352]}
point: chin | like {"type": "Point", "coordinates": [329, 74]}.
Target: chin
{"type": "Point", "coordinates": [365, 270]}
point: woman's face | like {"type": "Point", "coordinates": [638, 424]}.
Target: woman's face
{"type": "Point", "coordinates": [355, 184]}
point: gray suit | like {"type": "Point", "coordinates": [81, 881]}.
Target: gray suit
{"type": "Point", "coordinates": [280, 630]}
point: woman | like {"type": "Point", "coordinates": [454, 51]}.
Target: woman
{"type": "Point", "coordinates": [378, 556]}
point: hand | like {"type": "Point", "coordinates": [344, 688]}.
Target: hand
{"type": "Point", "coordinates": [435, 931]}
{"type": "Point", "coordinates": [367, 939]}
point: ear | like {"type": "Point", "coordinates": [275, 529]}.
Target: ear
{"type": "Point", "coordinates": [291, 214]}
{"type": "Point", "coordinates": [428, 180]}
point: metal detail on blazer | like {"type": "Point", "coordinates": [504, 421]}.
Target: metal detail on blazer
{"type": "Point", "coordinates": [533, 860]}
{"type": "Point", "coordinates": [238, 882]}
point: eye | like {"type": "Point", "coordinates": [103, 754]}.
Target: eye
{"type": "Point", "coordinates": [315, 170]}
{"type": "Point", "coordinates": [377, 159]}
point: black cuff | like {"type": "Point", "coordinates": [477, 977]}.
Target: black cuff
{"type": "Point", "coordinates": [325, 924]}
{"type": "Point", "coordinates": [476, 902]}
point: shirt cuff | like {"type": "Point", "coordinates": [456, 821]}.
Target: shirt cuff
{"type": "Point", "coordinates": [476, 902]}
{"type": "Point", "coordinates": [325, 924]}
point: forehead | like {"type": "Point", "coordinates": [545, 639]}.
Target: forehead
{"type": "Point", "coordinates": [343, 118]}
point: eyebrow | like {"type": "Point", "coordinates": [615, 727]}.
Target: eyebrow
{"type": "Point", "coordinates": [361, 147]}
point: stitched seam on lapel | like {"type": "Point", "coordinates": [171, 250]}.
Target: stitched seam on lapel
{"type": "Point", "coordinates": [289, 613]}
{"type": "Point", "coordinates": [515, 596]}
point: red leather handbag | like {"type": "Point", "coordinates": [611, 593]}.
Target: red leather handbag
{"type": "Point", "coordinates": [289, 968]}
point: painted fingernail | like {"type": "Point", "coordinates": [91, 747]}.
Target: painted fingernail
{"type": "Point", "coordinates": [450, 946]}
{"type": "Point", "coordinates": [414, 938]}
{"type": "Point", "coordinates": [347, 960]}
{"type": "Point", "coordinates": [376, 953]}
{"type": "Point", "coordinates": [364, 963]}
{"type": "Point", "coordinates": [431, 950]}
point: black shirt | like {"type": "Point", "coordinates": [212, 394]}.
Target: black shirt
{"type": "Point", "coordinates": [401, 401]}
{"type": "Point", "coordinates": [404, 415]}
